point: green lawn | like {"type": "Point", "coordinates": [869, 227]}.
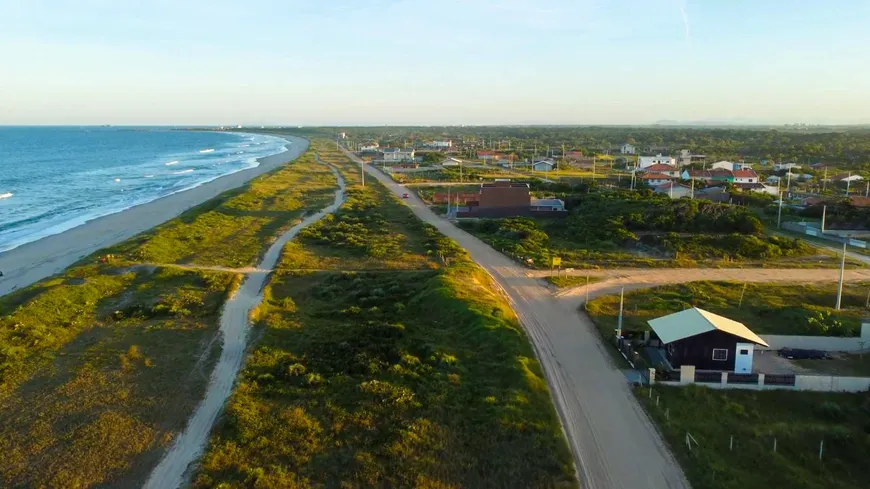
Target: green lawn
{"type": "Point", "coordinates": [389, 375]}
{"type": "Point", "coordinates": [565, 281]}
{"type": "Point", "coordinates": [798, 421]}
{"type": "Point", "coordinates": [766, 308]}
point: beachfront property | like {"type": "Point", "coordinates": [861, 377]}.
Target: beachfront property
{"type": "Point", "coordinates": [647, 161]}
{"type": "Point", "coordinates": [504, 198]}
{"type": "Point", "coordinates": [705, 340]}
{"type": "Point", "coordinates": [395, 155]}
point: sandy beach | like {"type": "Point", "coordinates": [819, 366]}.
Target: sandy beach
{"type": "Point", "coordinates": [43, 258]}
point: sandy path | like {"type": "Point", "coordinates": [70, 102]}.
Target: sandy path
{"type": "Point", "coordinates": [614, 443]}
{"type": "Point", "coordinates": [35, 261]}
{"type": "Point", "coordinates": [172, 471]}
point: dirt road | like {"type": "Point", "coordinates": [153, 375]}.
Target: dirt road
{"type": "Point", "coordinates": [172, 471]}
{"type": "Point", "coordinates": [614, 443]}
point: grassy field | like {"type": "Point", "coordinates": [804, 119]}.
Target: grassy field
{"type": "Point", "coordinates": [798, 309]}
{"type": "Point", "coordinates": [408, 372]}
{"type": "Point", "coordinates": [101, 365]}
{"type": "Point", "coordinates": [798, 421]}
{"type": "Point", "coordinates": [843, 364]}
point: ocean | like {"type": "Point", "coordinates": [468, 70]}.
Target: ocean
{"type": "Point", "coordinates": [55, 178]}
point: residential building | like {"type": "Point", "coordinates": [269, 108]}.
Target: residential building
{"type": "Point", "coordinates": [544, 165]}
{"type": "Point", "coordinates": [687, 158]}
{"type": "Point", "coordinates": [730, 166]}
{"type": "Point", "coordinates": [369, 148]}
{"type": "Point", "coordinates": [706, 340]}
{"type": "Point", "coordinates": [486, 155]}
{"type": "Point", "coordinates": [504, 198]}
{"type": "Point", "coordinates": [674, 190]}
{"type": "Point", "coordinates": [451, 162]}
{"type": "Point", "coordinates": [785, 166]}
{"type": "Point", "coordinates": [669, 170]}
{"type": "Point", "coordinates": [627, 149]}
{"type": "Point", "coordinates": [745, 176]}
{"type": "Point", "coordinates": [398, 155]}
{"type": "Point", "coordinates": [441, 144]}
{"type": "Point", "coordinates": [708, 175]}
{"type": "Point", "coordinates": [583, 162]}
{"type": "Point", "coordinates": [773, 179]}
{"type": "Point", "coordinates": [573, 155]}
{"type": "Point", "coordinates": [645, 161]}
{"type": "Point", "coordinates": [846, 177]}
{"type": "Point", "coordinates": [656, 179]}
{"type": "Point", "coordinates": [548, 205]}
{"type": "Point", "coordinates": [758, 188]}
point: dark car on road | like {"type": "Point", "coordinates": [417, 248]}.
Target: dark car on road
{"type": "Point", "coordinates": [801, 354]}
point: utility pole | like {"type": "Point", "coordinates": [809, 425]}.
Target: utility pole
{"type": "Point", "coordinates": [848, 181]}
{"type": "Point", "coordinates": [621, 302]}
{"type": "Point", "coordinates": [842, 274]}
{"type": "Point", "coordinates": [779, 214]}
{"type": "Point", "coordinates": [693, 187]}
{"type": "Point", "coordinates": [825, 180]}
{"type": "Point", "coordinates": [448, 202]}
{"type": "Point", "coordinates": [824, 215]}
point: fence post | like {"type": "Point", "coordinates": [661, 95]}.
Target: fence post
{"type": "Point", "coordinates": [774, 445]}
{"type": "Point", "coordinates": [657, 400]}
{"type": "Point", "coordinates": [731, 444]}
{"type": "Point", "coordinates": [668, 414]}
{"type": "Point", "coordinates": [821, 448]}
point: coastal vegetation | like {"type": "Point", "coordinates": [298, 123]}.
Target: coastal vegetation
{"type": "Point", "coordinates": [385, 367]}
{"type": "Point", "coordinates": [764, 439]}
{"type": "Point", "coordinates": [795, 309]}
{"type": "Point", "coordinates": [101, 365]}
{"type": "Point", "coordinates": [621, 228]}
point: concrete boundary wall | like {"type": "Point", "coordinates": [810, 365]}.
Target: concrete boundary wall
{"type": "Point", "coordinates": [824, 343]}
{"type": "Point", "coordinates": [816, 383]}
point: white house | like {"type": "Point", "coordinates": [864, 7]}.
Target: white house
{"type": "Point", "coordinates": [674, 190]}
{"type": "Point", "coordinates": [845, 177]}
{"type": "Point", "coordinates": [543, 165]}
{"type": "Point", "coordinates": [773, 179]}
{"type": "Point", "coordinates": [785, 166]}
{"type": "Point", "coordinates": [745, 176]}
{"type": "Point", "coordinates": [656, 179]}
{"type": "Point", "coordinates": [730, 166]}
{"type": "Point", "coordinates": [398, 155]}
{"type": "Point", "coordinates": [669, 170]}
{"type": "Point", "coordinates": [627, 149]}
{"type": "Point", "coordinates": [369, 147]}
{"type": "Point", "coordinates": [646, 161]}
{"type": "Point", "coordinates": [758, 188]}
{"type": "Point", "coordinates": [451, 162]}
{"type": "Point", "coordinates": [441, 144]}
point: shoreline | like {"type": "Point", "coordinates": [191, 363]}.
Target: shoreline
{"type": "Point", "coordinates": [47, 256]}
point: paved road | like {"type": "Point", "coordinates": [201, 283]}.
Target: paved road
{"type": "Point", "coordinates": [172, 470]}
{"type": "Point", "coordinates": [614, 443]}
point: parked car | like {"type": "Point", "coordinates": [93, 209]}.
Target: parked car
{"type": "Point", "coordinates": [800, 354]}
{"type": "Point", "coordinates": [406, 196]}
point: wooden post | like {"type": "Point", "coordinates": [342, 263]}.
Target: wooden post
{"type": "Point", "coordinates": [821, 448]}
{"type": "Point", "coordinates": [731, 444]}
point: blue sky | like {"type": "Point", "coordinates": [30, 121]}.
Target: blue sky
{"type": "Point", "coordinates": [433, 61]}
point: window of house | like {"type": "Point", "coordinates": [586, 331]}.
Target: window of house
{"type": "Point", "coordinates": [720, 354]}
{"type": "Point", "coordinates": [744, 352]}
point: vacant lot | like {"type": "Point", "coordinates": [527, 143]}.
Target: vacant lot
{"type": "Point", "coordinates": [622, 229]}
{"type": "Point", "coordinates": [797, 422]}
{"type": "Point", "coordinates": [400, 372]}
{"type": "Point", "coordinates": [100, 366]}
{"type": "Point", "coordinates": [799, 309]}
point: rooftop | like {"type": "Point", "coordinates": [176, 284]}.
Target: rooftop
{"type": "Point", "coordinates": [695, 321]}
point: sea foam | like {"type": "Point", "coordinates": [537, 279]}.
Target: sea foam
{"type": "Point", "coordinates": [6, 195]}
